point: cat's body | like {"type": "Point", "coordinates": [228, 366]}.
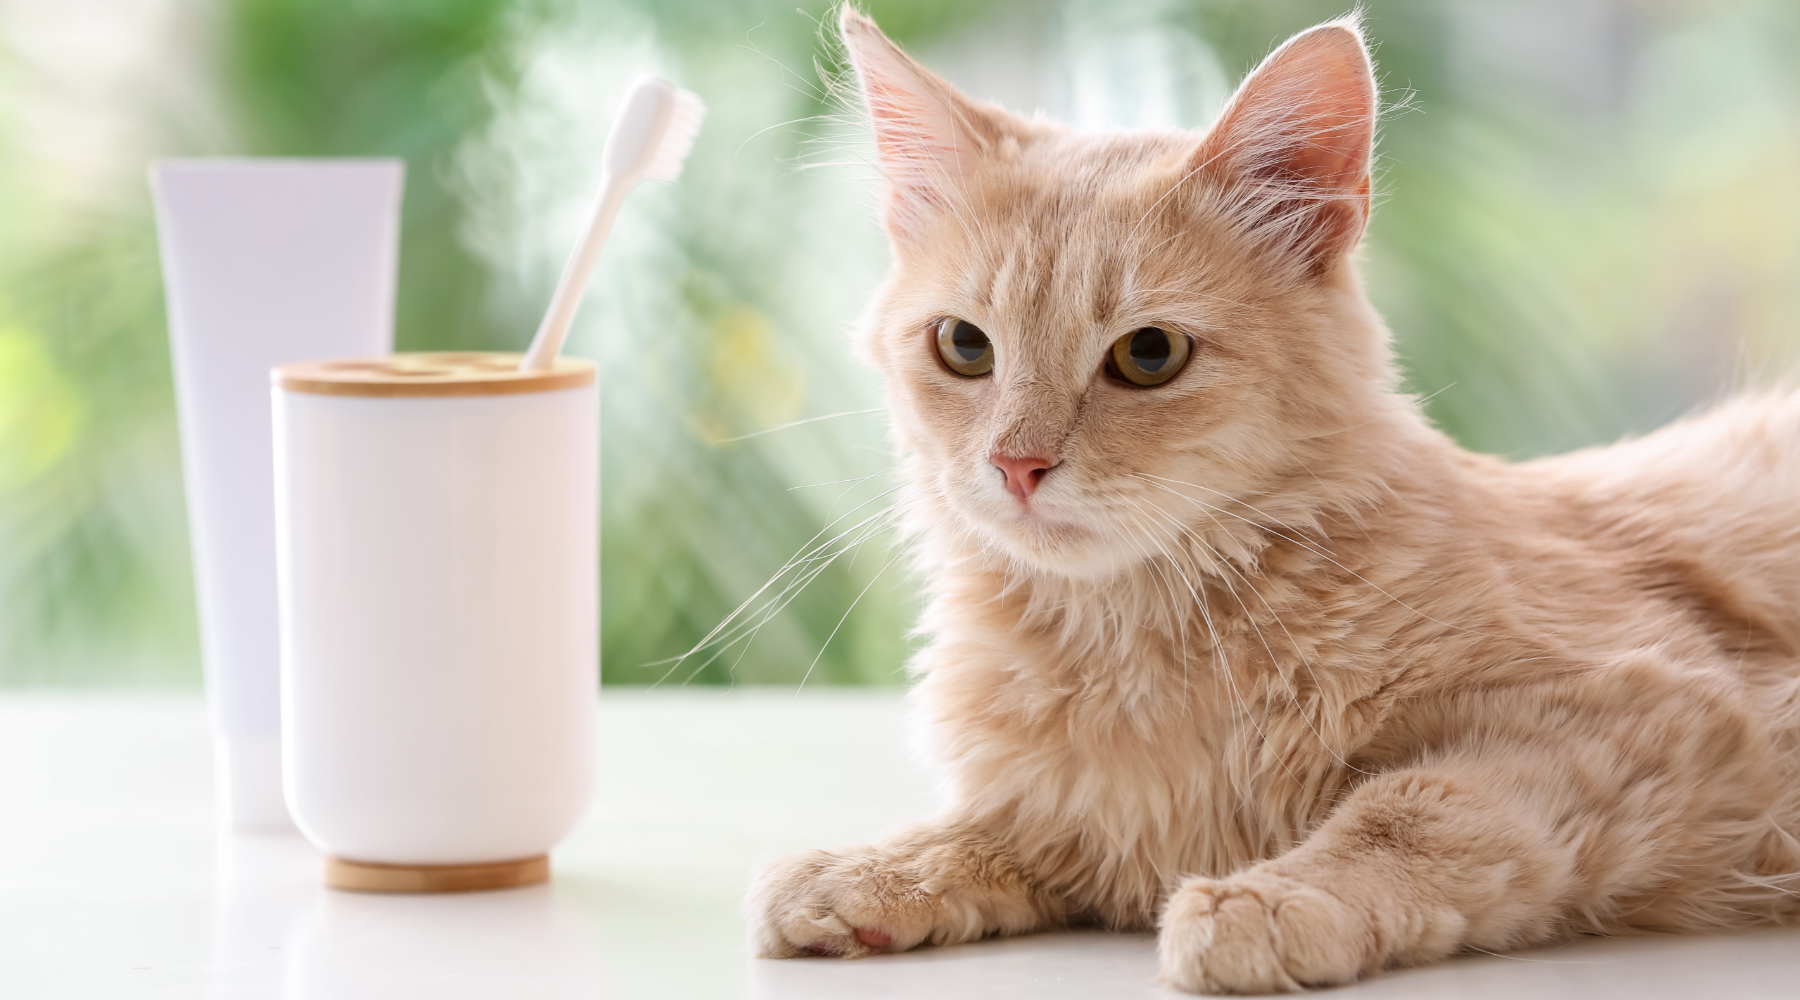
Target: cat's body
{"type": "Point", "coordinates": [1256, 655]}
{"type": "Point", "coordinates": [1548, 602]}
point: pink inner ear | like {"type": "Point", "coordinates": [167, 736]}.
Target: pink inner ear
{"type": "Point", "coordinates": [1336, 124]}
{"type": "Point", "coordinates": [1307, 112]}
{"type": "Point", "coordinates": [1301, 131]}
{"type": "Point", "coordinates": [922, 145]}
{"type": "Point", "coordinates": [903, 129]}
{"type": "Point", "coordinates": [912, 156]}
{"type": "Point", "coordinates": [1336, 156]}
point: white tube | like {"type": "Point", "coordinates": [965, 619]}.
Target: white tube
{"type": "Point", "coordinates": [264, 262]}
{"type": "Point", "coordinates": [439, 564]}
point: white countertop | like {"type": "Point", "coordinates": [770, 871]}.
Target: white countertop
{"type": "Point", "coordinates": [116, 883]}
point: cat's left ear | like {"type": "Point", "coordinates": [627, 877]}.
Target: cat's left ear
{"type": "Point", "coordinates": [928, 136]}
{"type": "Point", "coordinates": [1293, 147]}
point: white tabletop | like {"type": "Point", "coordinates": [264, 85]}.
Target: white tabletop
{"type": "Point", "coordinates": [115, 881]}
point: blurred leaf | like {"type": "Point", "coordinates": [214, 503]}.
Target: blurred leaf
{"type": "Point", "coordinates": [39, 410]}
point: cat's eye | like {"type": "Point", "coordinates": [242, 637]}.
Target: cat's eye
{"type": "Point", "coordinates": [1149, 355]}
{"type": "Point", "coordinates": [964, 347]}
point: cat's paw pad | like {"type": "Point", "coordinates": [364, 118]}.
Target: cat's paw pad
{"type": "Point", "coordinates": [1259, 933]}
{"type": "Point", "coordinates": [824, 904]}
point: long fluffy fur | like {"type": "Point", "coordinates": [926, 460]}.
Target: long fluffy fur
{"type": "Point", "coordinates": [1267, 661]}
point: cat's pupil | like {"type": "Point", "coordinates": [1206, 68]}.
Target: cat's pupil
{"type": "Point", "coordinates": [969, 341]}
{"type": "Point", "coordinates": [1150, 348]}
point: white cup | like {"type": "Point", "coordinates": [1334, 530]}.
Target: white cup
{"type": "Point", "coordinates": [437, 546]}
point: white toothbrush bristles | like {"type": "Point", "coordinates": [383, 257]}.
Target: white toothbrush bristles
{"type": "Point", "coordinates": [678, 137]}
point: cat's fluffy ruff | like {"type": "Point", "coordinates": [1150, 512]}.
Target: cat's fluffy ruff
{"type": "Point", "coordinates": [1267, 662]}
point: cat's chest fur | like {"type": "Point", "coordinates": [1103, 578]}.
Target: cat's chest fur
{"type": "Point", "coordinates": [1119, 765]}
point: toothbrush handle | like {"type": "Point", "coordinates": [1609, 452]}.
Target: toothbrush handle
{"type": "Point", "coordinates": [548, 342]}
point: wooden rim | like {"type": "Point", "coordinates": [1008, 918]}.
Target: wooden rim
{"type": "Point", "coordinates": [439, 373]}
{"type": "Point", "coordinates": [368, 876]}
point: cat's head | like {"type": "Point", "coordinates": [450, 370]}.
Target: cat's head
{"type": "Point", "coordinates": [1099, 344]}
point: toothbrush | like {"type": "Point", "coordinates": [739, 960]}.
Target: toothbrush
{"type": "Point", "coordinates": [651, 138]}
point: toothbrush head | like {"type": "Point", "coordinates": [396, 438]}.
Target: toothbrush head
{"type": "Point", "coordinates": [678, 137]}
{"type": "Point", "coordinates": [650, 138]}
{"type": "Point", "coordinates": [654, 131]}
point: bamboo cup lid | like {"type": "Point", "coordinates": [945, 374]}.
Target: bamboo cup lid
{"type": "Point", "coordinates": [450, 373]}
{"type": "Point", "coordinates": [365, 876]}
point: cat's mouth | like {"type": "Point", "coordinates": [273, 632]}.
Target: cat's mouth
{"type": "Point", "coordinates": [1060, 546]}
{"type": "Point", "coordinates": [1033, 518]}
{"type": "Point", "coordinates": [1053, 532]}
{"type": "Point", "coordinates": [1041, 528]}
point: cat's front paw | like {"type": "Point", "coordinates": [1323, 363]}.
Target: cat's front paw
{"type": "Point", "coordinates": [828, 904]}
{"type": "Point", "coordinates": [1260, 933]}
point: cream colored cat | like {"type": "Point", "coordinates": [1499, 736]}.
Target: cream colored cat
{"type": "Point", "coordinates": [1226, 638]}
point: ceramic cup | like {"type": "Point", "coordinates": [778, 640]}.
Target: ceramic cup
{"type": "Point", "coordinates": [437, 547]}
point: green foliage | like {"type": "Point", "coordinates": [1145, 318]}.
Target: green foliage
{"type": "Point", "coordinates": [93, 574]}
{"type": "Point", "coordinates": [392, 78]}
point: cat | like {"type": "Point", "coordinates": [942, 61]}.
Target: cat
{"type": "Point", "coordinates": [1229, 641]}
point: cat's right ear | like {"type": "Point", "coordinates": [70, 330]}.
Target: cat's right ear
{"type": "Point", "coordinates": [928, 136]}
{"type": "Point", "coordinates": [1294, 145]}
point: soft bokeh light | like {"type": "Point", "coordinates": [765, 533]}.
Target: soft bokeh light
{"type": "Point", "coordinates": [1589, 224]}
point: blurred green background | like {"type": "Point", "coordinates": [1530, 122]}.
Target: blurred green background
{"type": "Point", "coordinates": [1589, 223]}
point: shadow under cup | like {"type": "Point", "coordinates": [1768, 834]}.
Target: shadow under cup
{"type": "Point", "coordinates": [437, 544]}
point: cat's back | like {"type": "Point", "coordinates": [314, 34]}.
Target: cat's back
{"type": "Point", "coordinates": [1713, 500]}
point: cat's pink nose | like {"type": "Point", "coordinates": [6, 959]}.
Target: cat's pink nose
{"type": "Point", "coordinates": [1022, 474]}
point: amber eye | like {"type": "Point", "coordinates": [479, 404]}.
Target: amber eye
{"type": "Point", "coordinates": [1149, 355]}
{"type": "Point", "coordinates": [964, 347]}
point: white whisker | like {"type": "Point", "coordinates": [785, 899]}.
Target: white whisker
{"type": "Point", "coordinates": [799, 423]}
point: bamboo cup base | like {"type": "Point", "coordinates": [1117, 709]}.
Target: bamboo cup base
{"type": "Point", "coordinates": [364, 876]}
